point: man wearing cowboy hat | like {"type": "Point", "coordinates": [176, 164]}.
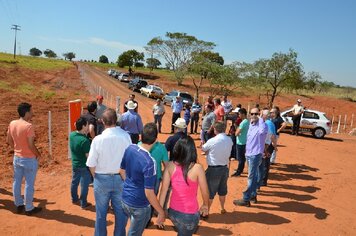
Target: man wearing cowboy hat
{"type": "Point", "coordinates": [131, 122]}
{"type": "Point", "coordinates": [180, 127]}
{"type": "Point", "coordinates": [297, 110]}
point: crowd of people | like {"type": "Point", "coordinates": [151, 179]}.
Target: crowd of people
{"type": "Point", "coordinates": [136, 175]}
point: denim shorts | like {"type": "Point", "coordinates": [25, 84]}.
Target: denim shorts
{"type": "Point", "coordinates": [216, 177]}
{"type": "Point", "coordinates": [185, 224]}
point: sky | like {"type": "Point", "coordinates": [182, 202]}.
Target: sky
{"type": "Point", "coordinates": [323, 33]}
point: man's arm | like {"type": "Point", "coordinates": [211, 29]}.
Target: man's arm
{"type": "Point", "coordinates": [92, 171]}
{"type": "Point", "coordinates": [151, 197]}
{"type": "Point", "coordinates": [204, 209]}
{"type": "Point", "coordinates": [31, 145]}
{"type": "Point", "coordinates": [122, 172]}
{"type": "Point", "coordinates": [284, 124]}
{"type": "Point", "coordinates": [9, 139]}
{"type": "Point", "coordinates": [92, 131]}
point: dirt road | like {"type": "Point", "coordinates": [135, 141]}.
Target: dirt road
{"type": "Point", "coordinates": [311, 190]}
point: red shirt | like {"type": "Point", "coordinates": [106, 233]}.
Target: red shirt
{"type": "Point", "coordinates": [219, 113]}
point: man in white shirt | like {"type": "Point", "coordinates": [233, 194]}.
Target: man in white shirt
{"type": "Point", "coordinates": [297, 110]}
{"type": "Point", "coordinates": [158, 112]}
{"type": "Point", "coordinates": [218, 151]}
{"type": "Point", "coordinates": [104, 160]}
{"type": "Point", "coordinates": [99, 114]}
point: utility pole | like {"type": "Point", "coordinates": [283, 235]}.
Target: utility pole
{"type": "Point", "coordinates": [16, 28]}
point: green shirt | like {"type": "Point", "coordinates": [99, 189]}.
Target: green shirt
{"type": "Point", "coordinates": [159, 154]}
{"type": "Point", "coordinates": [242, 138]}
{"type": "Point", "coordinates": [79, 146]}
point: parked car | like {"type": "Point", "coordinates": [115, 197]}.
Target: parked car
{"type": "Point", "coordinates": [312, 121]}
{"type": "Point", "coordinates": [124, 77]}
{"type": "Point", "coordinates": [152, 91]}
{"type": "Point", "coordinates": [116, 74]}
{"type": "Point", "coordinates": [110, 72]}
{"type": "Point", "coordinates": [137, 83]}
{"type": "Point", "coordinates": [171, 97]}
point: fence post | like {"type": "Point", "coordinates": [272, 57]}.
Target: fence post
{"type": "Point", "coordinates": [118, 105]}
{"type": "Point", "coordinates": [345, 122]}
{"type": "Point", "coordinates": [338, 125]}
{"type": "Point", "coordinates": [332, 123]}
{"type": "Point", "coordinates": [50, 134]}
{"type": "Point", "coordinates": [352, 120]}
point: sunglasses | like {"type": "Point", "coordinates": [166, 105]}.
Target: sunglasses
{"type": "Point", "coordinates": [256, 114]}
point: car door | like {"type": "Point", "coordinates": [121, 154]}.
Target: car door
{"type": "Point", "coordinates": [309, 120]}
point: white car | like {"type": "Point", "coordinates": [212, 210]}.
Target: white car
{"type": "Point", "coordinates": [152, 91]}
{"type": "Point", "coordinates": [124, 77]}
{"type": "Point", "coordinates": [312, 121]}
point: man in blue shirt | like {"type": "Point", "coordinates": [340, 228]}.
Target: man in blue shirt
{"type": "Point", "coordinates": [138, 169]}
{"type": "Point", "coordinates": [177, 107]}
{"type": "Point", "coordinates": [131, 122]}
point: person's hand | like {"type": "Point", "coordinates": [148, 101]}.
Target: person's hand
{"type": "Point", "coordinates": [160, 220]}
{"type": "Point", "coordinates": [275, 149]}
{"type": "Point", "coordinates": [204, 211]}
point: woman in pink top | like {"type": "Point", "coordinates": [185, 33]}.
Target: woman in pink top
{"type": "Point", "coordinates": [185, 175]}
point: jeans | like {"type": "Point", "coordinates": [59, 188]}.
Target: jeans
{"type": "Point", "coordinates": [194, 121]}
{"type": "Point", "coordinates": [109, 187]}
{"type": "Point", "coordinates": [175, 116]}
{"type": "Point", "coordinates": [24, 167]}
{"type": "Point", "coordinates": [185, 224]}
{"type": "Point", "coordinates": [263, 172]}
{"type": "Point", "coordinates": [82, 176]}
{"type": "Point", "coordinates": [252, 179]}
{"type": "Point", "coordinates": [138, 218]}
{"type": "Point", "coordinates": [241, 150]}
{"type": "Point", "coordinates": [158, 119]}
{"type": "Point", "coordinates": [274, 154]}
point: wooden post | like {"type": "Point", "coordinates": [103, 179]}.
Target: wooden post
{"type": "Point", "coordinates": [352, 121]}
{"type": "Point", "coordinates": [345, 122]}
{"type": "Point", "coordinates": [338, 125]}
{"type": "Point", "coordinates": [50, 134]}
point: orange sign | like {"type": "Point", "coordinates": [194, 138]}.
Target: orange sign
{"type": "Point", "coordinates": [75, 111]}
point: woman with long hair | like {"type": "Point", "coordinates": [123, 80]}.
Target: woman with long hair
{"type": "Point", "coordinates": [185, 175]}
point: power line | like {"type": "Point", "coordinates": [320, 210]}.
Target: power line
{"type": "Point", "coordinates": [16, 28]}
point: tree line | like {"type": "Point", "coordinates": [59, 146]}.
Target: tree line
{"type": "Point", "coordinates": [50, 54]}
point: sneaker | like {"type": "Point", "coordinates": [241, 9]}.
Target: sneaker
{"type": "Point", "coordinates": [236, 174]}
{"type": "Point", "coordinates": [253, 199]}
{"type": "Point", "coordinates": [241, 202]}
{"type": "Point", "coordinates": [33, 211]}
{"type": "Point", "coordinates": [223, 211]}
{"type": "Point", "coordinates": [86, 205]}
{"type": "Point", "coordinates": [20, 209]}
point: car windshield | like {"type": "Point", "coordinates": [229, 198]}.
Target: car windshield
{"type": "Point", "coordinates": [186, 96]}
{"type": "Point", "coordinates": [158, 89]}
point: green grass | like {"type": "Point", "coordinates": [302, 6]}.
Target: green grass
{"type": "Point", "coordinates": [46, 94]}
{"type": "Point", "coordinates": [5, 86]}
{"type": "Point", "coordinates": [34, 63]}
{"type": "Point", "coordinates": [25, 88]}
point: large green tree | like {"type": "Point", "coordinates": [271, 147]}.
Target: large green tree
{"type": "Point", "coordinates": [69, 55]}
{"type": "Point", "coordinates": [35, 52]}
{"type": "Point", "coordinates": [49, 53]}
{"type": "Point", "coordinates": [177, 50]}
{"type": "Point", "coordinates": [129, 58]}
{"type": "Point", "coordinates": [153, 63]}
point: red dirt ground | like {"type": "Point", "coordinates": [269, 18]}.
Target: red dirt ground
{"type": "Point", "coordinates": [311, 191]}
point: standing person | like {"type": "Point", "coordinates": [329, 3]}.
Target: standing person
{"type": "Point", "coordinates": [180, 127]}
{"type": "Point", "coordinates": [297, 110]}
{"type": "Point", "coordinates": [227, 105]}
{"type": "Point", "coordinates": [99, 114]}
{"type": "Point", "coordinates": [90, 116]}
{"type": "Point", "coordinates": [79, 148]}
{"type": "Point", "coordinates": [21, 137]}
{"type": "Point", "coordinates": [255, 147]}
{"type": "Point", "coordinates": [210, 101]}
{"type": "Point", "coordinates": [280, 124]}
{"type": "Point", "coordinates": [241, 139]}
{"type": "Point", "coordinates": [194, 121]}
{"type": "Point", "coordinates": [218, 151]}
{"type": "Point", "coordinates": [139, 172]}
{"type": "Point", "coordinates": [158, 113]}
{"type": "Point", "coordinates": [104, 161]}
{"type": "Point", "coordinates": [185, 175]}
{"type": "Point", "coordinates": [177, 107]}
{"type": "Point", "coordinates": [270, 143]}
{"type": "Point", "coordinates": [207, 124]}
{"type": "Point", "coordinates": [131, 98]}
{"type": "Point", "coordinates": [219, 110]}
{"type": "Point", "coordinates": [187, 116]}
{"type": "Point", "coordinates": [131, 122]}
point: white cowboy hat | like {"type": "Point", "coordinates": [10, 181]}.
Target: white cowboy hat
{"type": "Point", "coordinates": [299, 100]}
{"type": "Point", "coordinates": [180, 123]}
{"type": "Point", "coordinates": [131, 105]}
{"type": "Point", "coordinates": [236, 110]}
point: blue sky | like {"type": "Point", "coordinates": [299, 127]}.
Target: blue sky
{"type": "Point", "coordinates": [322, 32]}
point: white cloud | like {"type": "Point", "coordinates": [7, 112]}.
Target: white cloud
{"type": "Point", "coordinates": [114, 44]}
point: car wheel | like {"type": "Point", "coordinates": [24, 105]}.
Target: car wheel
{"type": "Point", "coordinates": [319, 132]}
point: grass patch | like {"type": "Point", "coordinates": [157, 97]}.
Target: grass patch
{"type": "Point", "coordinates": [46, 94]}
{"type": "Point", "coordinates": [25, 88]}
{"type": "Point", "coordinates": [5, 86]}
{"type": "Point", "coordinates": [34, 63]}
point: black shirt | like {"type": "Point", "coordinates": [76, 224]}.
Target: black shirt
{"type": "Point", "coordinates": [171, 142]}
{"type": "Point", "coordinates": [278, 123]}
{"type": "Point", "coordinates": [92, 120]}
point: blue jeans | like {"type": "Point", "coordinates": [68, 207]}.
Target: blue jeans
{"type": "Point", "coordinates": [82, 176]}
{"type": "Point", "coordinates": [138, 218]}
{"type": "Point", "coordinates": [185, 224]}
{"type": "Point", "coordinates": [158, 119]}
{"type": "Point", "coordinates": [24, 167]}
{"type": "Point", "coordinates": [106, 188]}
{"type": "Point", "coordinates": [274, 154]}
{"type": "Point", "coordinates": [241, 150]}
{"type": "Point", "coordinates": [252, 179]}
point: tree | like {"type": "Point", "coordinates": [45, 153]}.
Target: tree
{"type": "Point", "coordinates": [35, 52]}
{"type": "Point", "coordinates": [277, 72]}
{"type": "Point", "coordinates": [139, 64]}
{"type": "Point", "coordinates": [313, 81]}
{"type": "Point", "coordinates": [177, 49]}
{"type": "Point", "coordinates": [49, 53]}
{"type": "Point", "coordinates": [129, 58]}
{"type": "Point", "coordinates": [153, 63]}
{"type": "Point", "coordinates": [103, 59]}
{"type": "Point", "coordinates": [203, 65]}
{"type": "Point", "coordinates": [69, 55]}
